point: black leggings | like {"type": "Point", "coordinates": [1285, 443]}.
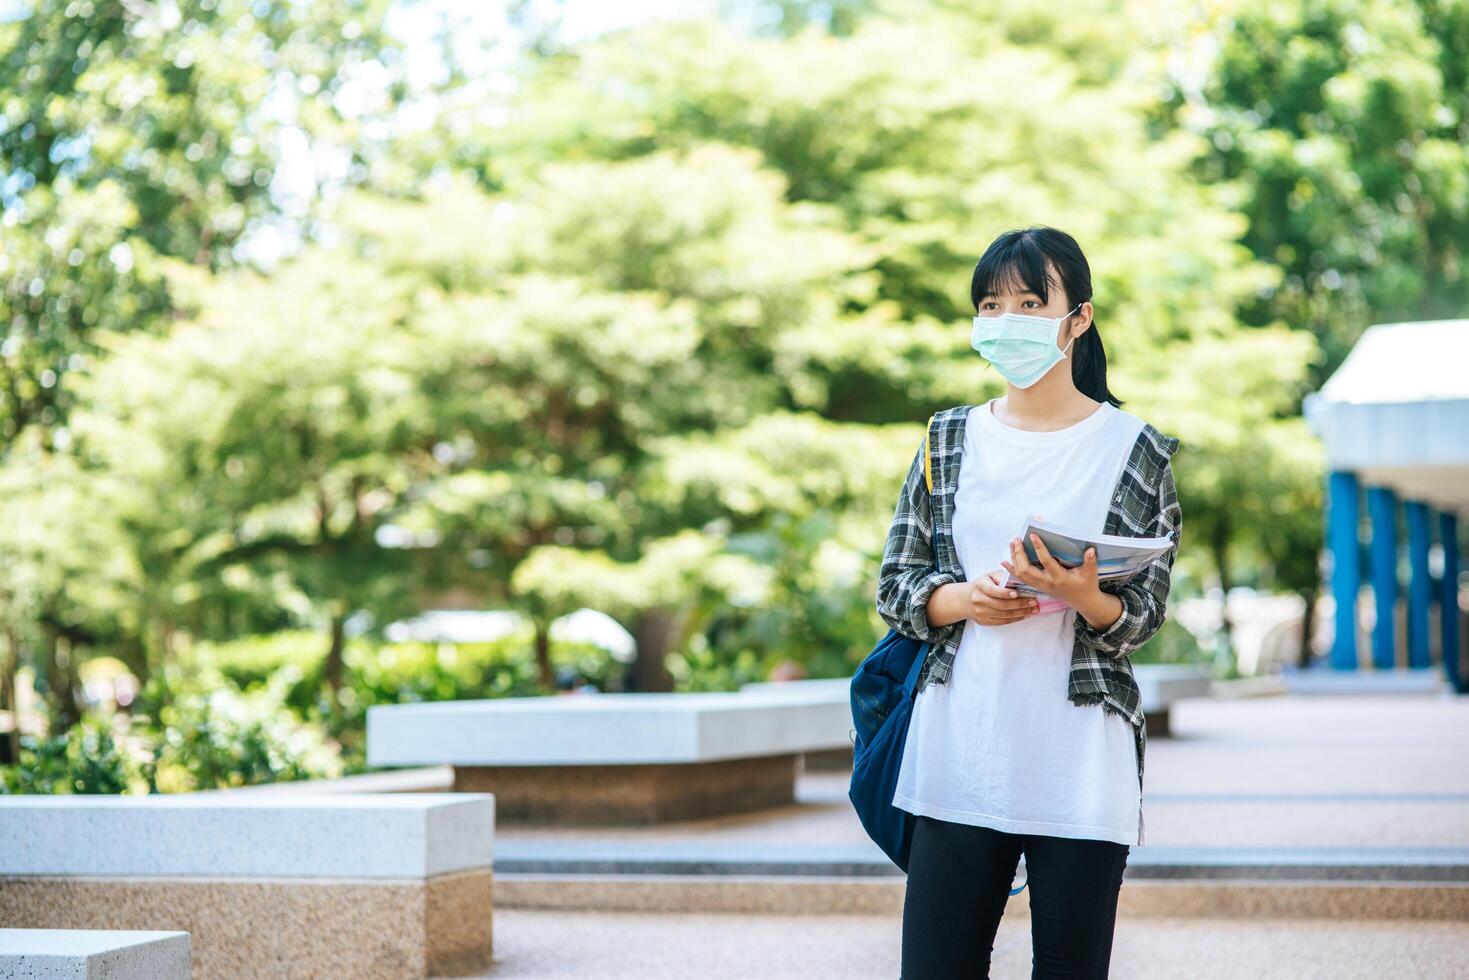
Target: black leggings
{"type": "Point", "coordinates": [959, 878]}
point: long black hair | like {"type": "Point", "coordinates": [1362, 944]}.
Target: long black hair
{"type": "Point", "coordinates": [1017, 259]}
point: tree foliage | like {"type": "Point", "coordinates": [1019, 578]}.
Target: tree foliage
{"type": "Point", "coordinates": [130, 131]}
{"type": "Point", "coordinates": [659, 338]}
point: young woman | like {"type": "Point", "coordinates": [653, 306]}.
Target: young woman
{"type": "Point", "coordinates": [1027, 734]}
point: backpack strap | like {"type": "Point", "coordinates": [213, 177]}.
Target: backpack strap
{"type": "Point", "coordinates": [927, 455]}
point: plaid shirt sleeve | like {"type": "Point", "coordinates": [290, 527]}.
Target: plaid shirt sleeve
{"type": "Point", "coordinates": [1145, 595]}
{"type": "Point", "coordinates": [908, 574]}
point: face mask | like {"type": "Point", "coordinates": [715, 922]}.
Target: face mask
{"type": "Point", "coordinates": [1022, 348]}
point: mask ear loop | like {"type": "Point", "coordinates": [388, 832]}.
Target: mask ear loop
{"type": "Point", "coordinates": [987, 364]}
{"type": "Point", "coordinates": [1064, 350]}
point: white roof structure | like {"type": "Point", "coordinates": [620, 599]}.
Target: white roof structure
{"type": "Point", "coordinates": [487, 625]}
{"type": "Point", "coordinates": [1397, 411]}
{"type": "Point", "coordinates": [454, 626]}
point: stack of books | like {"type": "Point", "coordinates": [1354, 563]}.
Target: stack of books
{"type": "Point", "coordinates": [1118, 557]}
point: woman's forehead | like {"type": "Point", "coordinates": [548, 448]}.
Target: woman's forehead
{"type": "Point", "coordinates": [1010, 281]}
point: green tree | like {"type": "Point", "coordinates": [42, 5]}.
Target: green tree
{"type": "Point", "coordinates": [134, 132]}
{"type": "Point", "coordinates": [261, 447]}
{"type": "Point", "coordinates": [582, 329]}
{"type": "Point", "coordinates": [1346, 125]}
{"type": "Point", "coordinates": [130, 131]}
{"type": "Point", "coordinates": [1341, 128]}
{"type": "Point", "coordinates": [666, 356]}
{"type": "Point", "coordinates": [930, 129]}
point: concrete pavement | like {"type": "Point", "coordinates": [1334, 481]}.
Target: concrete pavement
{"type": "Point", "coordinates": [1288, 836]}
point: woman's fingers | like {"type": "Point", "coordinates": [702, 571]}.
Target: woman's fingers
{"type": "Point", "coordinates": [1043, 553]}
{"type": "Point", "coordinates": [990, 587]}
{"type": "Point", "coordinates": [995, 617]}
{"type": "Point", "coordinates": [994, 605]}
{"type": "Point", "coordinates": [999, 596]}
{"type": "Point", "coordinates": [1020, 568]}
{"type": "Point", "coordinates": [1020, 565]}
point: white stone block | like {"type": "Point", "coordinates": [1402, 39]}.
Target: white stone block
{"type": "Point", "coordinates": [93, 954]}
{"type": "Point", "coordinates": [386, 835]}
{"type": "Point", "coordinates": [836, 688]}
{"type": "Point", "coordinates": [592, 729]}
{"type": "Point", "coordinates": [1161, 684]}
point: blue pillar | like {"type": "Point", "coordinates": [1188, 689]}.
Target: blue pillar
{"type": "Point", "coordinates": [1420, 588]}
{"type": "Point", "coordinates": [1383, 555]}
{"type": "Point", "coordinates": [1448, 599]}
{"type": "Point", "coordinates": [1346, 564]}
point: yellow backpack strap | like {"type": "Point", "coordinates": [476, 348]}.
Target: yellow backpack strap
{"type": "Point", "coordinates": [927, 456]}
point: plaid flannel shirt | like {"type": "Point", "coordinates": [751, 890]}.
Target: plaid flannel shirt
{"type": "Point", "coordinates": [1144, 503]}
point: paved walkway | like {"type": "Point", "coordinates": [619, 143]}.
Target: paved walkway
{"type": "Point", "coordinates": [1271, 780]}
{"type": "Point", "coordinates": [619, 944]}
{"type": "Point", "coordinates": [1271, 772]}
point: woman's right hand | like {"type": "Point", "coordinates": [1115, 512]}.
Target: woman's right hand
{"type": "Point", "coordinates": [984, 600]}
{"type": "Point", "coordinates": [991, 604]}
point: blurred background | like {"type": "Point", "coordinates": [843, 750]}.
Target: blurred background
{"type": "Point", "coordinates": [369, 352]}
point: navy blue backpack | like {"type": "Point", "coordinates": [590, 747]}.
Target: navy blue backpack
{"type": "Point", "coordinates": [882, 704]}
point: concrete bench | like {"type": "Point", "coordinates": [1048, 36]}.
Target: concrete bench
{"type": "Point", "coordinates": [837, 756]}
{"type": "Point", "coordinates": [615, 758]}
{"type": "Point", "coordinates": [93, 954]}
{"type": "Point", "coordinates": [372, 885]}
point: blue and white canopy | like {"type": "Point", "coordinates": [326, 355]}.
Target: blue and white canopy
{"type": "Point", "coordinates": [1396, 412]}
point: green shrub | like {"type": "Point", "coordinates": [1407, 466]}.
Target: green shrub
{"type": "Point", "coordinates": [257, 710]}
{"type": "Point", "coordinates": [204, 733]}
{"type": "Point", "coordinates": [252, 661]}
{"type": "Point", "coordinates": [292, 664]}
{"type": "Point", "coordinates": [85, 759]}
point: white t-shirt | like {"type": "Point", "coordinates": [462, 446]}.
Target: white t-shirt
{"type": "Point", "coordinates": [1000, 745]}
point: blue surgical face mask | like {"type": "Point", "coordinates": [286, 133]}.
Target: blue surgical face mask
{"type": "Point", "coordinates": [1022, 348]}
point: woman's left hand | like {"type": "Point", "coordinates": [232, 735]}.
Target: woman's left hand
{"type": "Point", "coordinates": [1074, 586]}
